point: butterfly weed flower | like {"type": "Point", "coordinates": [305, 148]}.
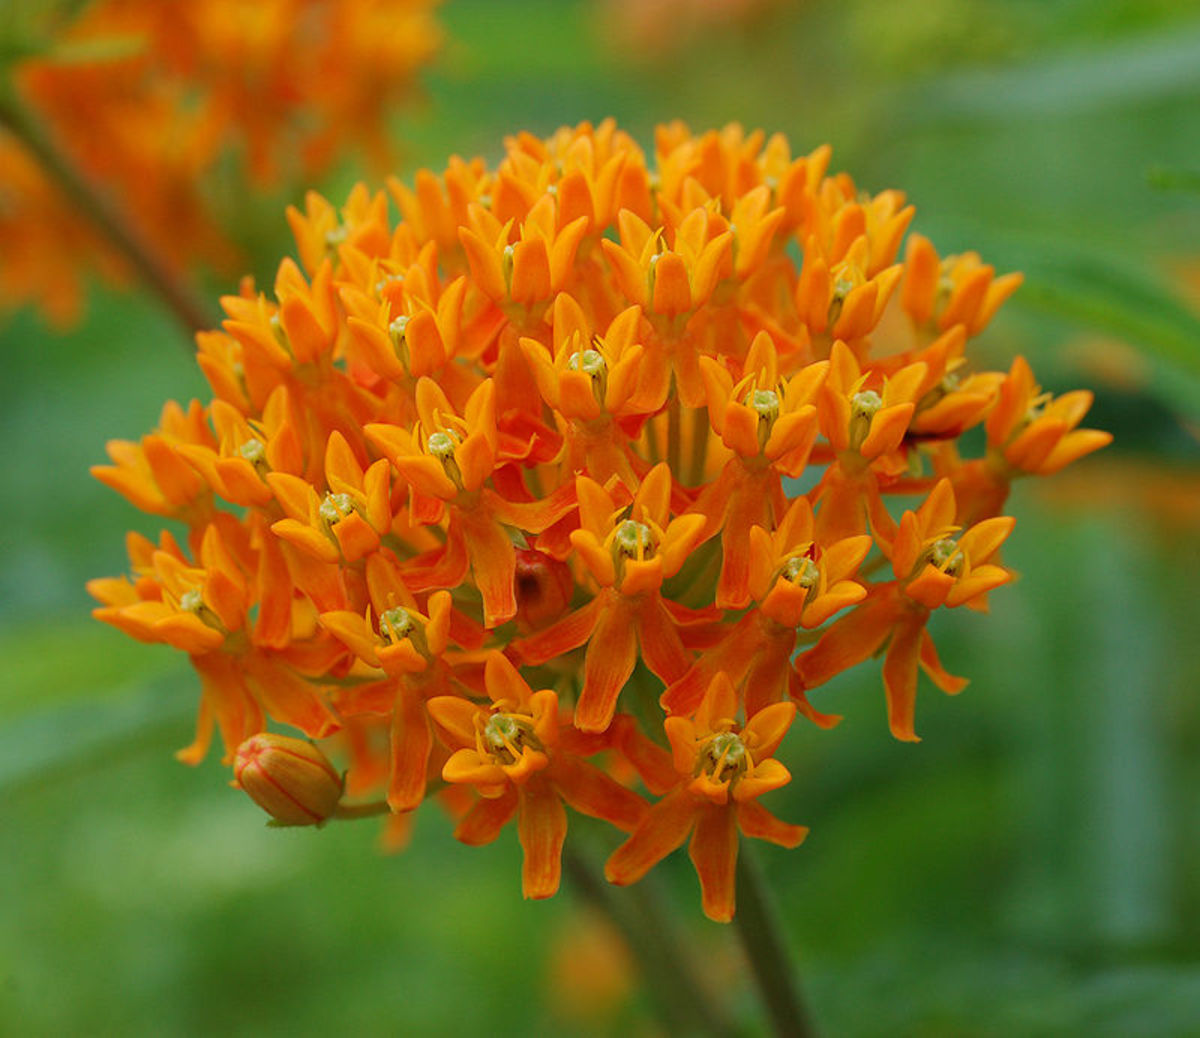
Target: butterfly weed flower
{"type": "Point", "coordinates": [495, 502]}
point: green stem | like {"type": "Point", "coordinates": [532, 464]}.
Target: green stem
{"type": "Point", "coordinates": [104, 214]}
{"type": "Point", "coordinates": [766, 948]}
{"type": "Point", "coordinates": [352, 812]}
{"type": "Point", "coordinates": [665, 962]}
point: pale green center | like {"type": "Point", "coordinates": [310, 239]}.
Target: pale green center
{"type": "Point", "coordinates": [944, 554]}
{"type": "Point", "coordinates": [764, 403]}
{"type": "Point", "coordinates": [397, 328]}
{"type": "Point", "coordinates": [866, 403]}
{"type": "Point", "coordinates": [253, 451]}
{"type": "Point", "coordinates": [633, 538]}
{"type": "Point", "coordinates": [396, 624]}
{"type": "Point", "coordinates": [191, 601]}
{"type": "Point", "coordinates": [802, 571]}
{"type": "Point", "coordinates": [336, 507]}
{"type": "Point", "coordinates": [725, 756]}
{"type": "Point", "coordinates": [441, 445]}
{"type": "Point", "coordinates": [501, 731]}
{"type": "Point", "coordinates": [591, 362]}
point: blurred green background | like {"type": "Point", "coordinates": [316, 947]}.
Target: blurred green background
{"type": "Point", "coordinates": [1031, 868]}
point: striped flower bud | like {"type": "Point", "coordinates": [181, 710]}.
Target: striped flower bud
{"type": "Point", "coordinates": [290, 779]}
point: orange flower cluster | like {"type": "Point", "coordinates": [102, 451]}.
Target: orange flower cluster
{"type": "Point", "coordinates": [497, 501]}
{"type": "Point", "coordinates": [150, 99]}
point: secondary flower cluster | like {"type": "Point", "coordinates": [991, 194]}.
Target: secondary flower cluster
{"type": "Point", "coordinates": [155, 102]}
{"type": "Point", "coordinates": [497, 502]}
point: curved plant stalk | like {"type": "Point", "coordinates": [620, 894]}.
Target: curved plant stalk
{"type": "Point", "coordinates": [90, 199]}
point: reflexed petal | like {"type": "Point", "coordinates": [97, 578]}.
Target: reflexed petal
{"type": "Point", "coordinates": [542, 825]}
{"type": "Point", "coordinates": [900, 679]}
{"type": "Point", "coordinates": [664, 828]}
{"type": "Point", "coordinates": [756, 821]}
{"type": "Point", "coordinates": [714, 852]}
{"type": "Point", "coordinates": [482, 824]}
{"type": "Point", "coordinates": [412, 742]}
{"type": "Point", "coordinates": [611, 657]}
{"type": "Point", "coordinates": [592, 792]}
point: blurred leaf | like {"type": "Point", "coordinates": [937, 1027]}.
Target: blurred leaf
{"type": "Point", "coordinates": [1100, 289]}
{"type": "Point", "coordinates": [59, 743]}
{"type": "Point", "coordinates": [1129, 72]}
{"type": "Point", "coordinates": [1166, 179]}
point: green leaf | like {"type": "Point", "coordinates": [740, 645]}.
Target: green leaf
{"type": "Point", "coordinates": [1097, 286]}
{"type": "Point", "coordinates": [1130, 71]}
{"type": "Point", "coordinates": [1164, 178]}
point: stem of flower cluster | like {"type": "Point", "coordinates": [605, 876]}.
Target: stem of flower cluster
{"type": "Point", "coordinates": [674, 433]}
{"type": "Point", "coordinates": [666, 964]}
{"type": "Point", "coordinates": [351, 812]}
{"type": "Point", "coordinates": [767, 950]}
{"type": "Point", "coordinates": [103, 213]}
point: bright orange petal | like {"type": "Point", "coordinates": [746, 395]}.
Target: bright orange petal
{"type": "Point", "coordinates": [714, 852]}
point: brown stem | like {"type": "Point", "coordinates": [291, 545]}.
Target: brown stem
{"type": "Point", "coordinates": [104, 214]}
{"type": "Point", "coordinates": [757, 922]}
{"type": "Point", "coordinates": [665, 960]}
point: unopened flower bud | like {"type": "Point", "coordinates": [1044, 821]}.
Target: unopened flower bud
{"type": "Point", "coordinates": [290, 779]}
{"type": "Point", "coordinates": [544, 587]}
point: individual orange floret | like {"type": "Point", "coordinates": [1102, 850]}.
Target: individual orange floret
{"type": "Point", "coordinates": [600, 170]}
{"type": "Point", "coordinates": [1036, 433]}
{"type": "Point", "coordinates": [770, 425]}
{"type": "Point", "coordinates": [932, 568]}
{"type": "Point", "coordinates": [589, 381]}
{"type": "Point", "coordinates": [347, 521]}
{"type": "Point", "coordinates": [155, 475]}
{"type": "Point", "coordinates": [409, 645]}
{"type": "Point", "coordinates": [204, 609]}
{"type": "Point", "coordinates": [670, 282]}
{"type": "Point", "coordinates": [843, 298]}
{"type": "Point", "coordinates": [522, 271]}
{"type": "Point", "coordinates": [322, 229]}
{"type": "Point", "coordinates": [628, 554]}
{"type": "Point", "coordinates": [247, 451]}
{"type": "Point", "coordinates": [794, 583]}
{"type": "Point", "coordinates": [721, 768]}
{"type": "Point", "coordinates": [447, 460]}
{"type": "Point", "coordinates": [864, 418]}
{"type": "Point", "coordinates": [521, 759]}
{"type": "Point", "coordinates": [955, 290]}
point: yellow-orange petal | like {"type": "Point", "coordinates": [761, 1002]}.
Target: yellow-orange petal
{"type": "Point", "coordinates": [466, 766]}
{"type": "Point", "coordinates": [768, 775]}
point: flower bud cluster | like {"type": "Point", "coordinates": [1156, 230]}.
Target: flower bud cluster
{"type": "Point", "coordinates": [495, 502]}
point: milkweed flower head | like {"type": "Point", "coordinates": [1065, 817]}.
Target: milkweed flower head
{"type": "Point", "coordinates": [495, 502]}
{"type": "Point", "coordinates": [157, 103]}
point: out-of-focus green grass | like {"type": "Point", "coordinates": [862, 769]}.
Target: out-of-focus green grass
{"type": "Point", "coordinates": [1032, 867]}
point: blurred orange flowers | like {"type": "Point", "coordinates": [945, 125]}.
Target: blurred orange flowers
{"type": "Point", "coordinates": [498, 502]}
{"type": "Point", "coordinates": [156, 104]}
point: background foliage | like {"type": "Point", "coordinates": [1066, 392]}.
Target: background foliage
{"type": "Point", "coordinates": [1032, 867]}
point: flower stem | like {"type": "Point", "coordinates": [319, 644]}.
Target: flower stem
{"type": "Point", "coordinates": [675, 434]}
{"type": "Point", "coordinates": [104, 214]}
{"type": "Point", "coordinates": [352, 812]}
{"type": "Point", "coordinates": [666, 964]}
{"type": "Point", "coordinates": [766, 948]}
